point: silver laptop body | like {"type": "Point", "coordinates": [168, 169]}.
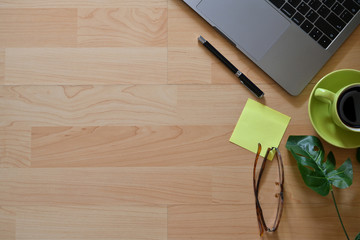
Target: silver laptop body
{"type": "Point", "coordinates": [272, 40]}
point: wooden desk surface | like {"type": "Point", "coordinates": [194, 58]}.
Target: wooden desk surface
{"type": "Point", "coordinates": [115, 125]}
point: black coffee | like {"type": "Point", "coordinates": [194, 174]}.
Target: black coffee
{"type": "Point", "coordinates": [348, 107]}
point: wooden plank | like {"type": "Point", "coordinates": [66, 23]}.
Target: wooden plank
{"type": "Point", "coordinates": [121, 146]}
{"type": "Point", "coordinates": [188, 66]}
{"type": "Point", "coordinates": [38, 27]}
{"type": "Point", "coordinates": [104, 186]}
{"type": "Point", "coordinates": [15, 146]}
{"type": "Point", "coordinates": [81, 66]}
{"type": "Point", "coordinates": [212, 222]}
{"type": "Point", "coordinates": [89, 222]}
{"type": "Point", "coordinates": [7, 223]}
{"type": "Point", "coordinates": [81, 3]}
{"type": "Point", "coordinates": [2, 66]}
{"type": "Point", "coordinates": [122, 27]}
{"type": "Point", "coordinates": [88, 105]}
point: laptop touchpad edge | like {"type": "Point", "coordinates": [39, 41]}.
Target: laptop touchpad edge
{"type": "Point", "coordinates": [253, 24]}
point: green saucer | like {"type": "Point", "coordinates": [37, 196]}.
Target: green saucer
{"type": "Point", "coordinates": [319, 113]}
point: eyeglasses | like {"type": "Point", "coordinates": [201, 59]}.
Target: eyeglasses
{"type": "Point", "coordinates": [256, 182]}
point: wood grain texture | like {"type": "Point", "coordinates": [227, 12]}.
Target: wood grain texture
{"type": "Point", "coordinates": [82, 66]}
{"type": "Point", "coordinates": [118, 222]}
{"type": "Point", "coordinates": [194, 70]}
{"type": "Point", "coordinates": [115, 124]}
{"type": "Point", "coordinates": [87, 105]}
{"type": "Point", "coordinates": [38, 27]}
{"type": "Point", "coordinates": [15, 146]}
{"type": "Point", "coordinates": [2, 65]}
{"type": "Point", "coordinates": [81, 3]}
{"type": "Point", "coordinates": [121, 146]}
{"type": "Point", "coordinates": [122, 27]}
{"type": "Point", "coordinates": [104, 186]}
{"type": "Point", "coordinates": [7, 224]}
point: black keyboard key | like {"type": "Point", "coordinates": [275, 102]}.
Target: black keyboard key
{"type": "Point", "coordinates": [303, 8]}
{"type": "Point", "coordinates": [340, 1]}
{"type": "Point", "coordinates": [312, 16]}
{"type": "Point", "coordinates": [328, 3]}
{"type": "Point", "coordinates": [314, 4]}
{"type": "Point", "coordinates": [277, 3]}
{"type": "Point", "coordinates": [326, 28]}
{"type": "Point", "coordinates": [336, 22]}
{"type": "Point", "coordinates": [288, 10]}
{"type": "Point", "coordinates": [307, 26]}
{"type": "Point", "coordinates": [346, 16]}
{"type": "Point", "coordinates": [337, 8]}
{"type": "Point", "coordinates": [358, 2]}
{"type": "Point", "coordinates": [298, 18]}
{"type": "Point", "coordinates": [323, 11]}
{"type": "Point", "coordinates": [351, 6]}
{"type": "Point", "coordinates": [315, 34]}
{"type": "Point", "coordinates": [294, 3]}
{"type": "Point", "coordinates": [324, 41]}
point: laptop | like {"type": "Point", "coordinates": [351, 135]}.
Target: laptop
{"type": "Point", "coordinates": [290, 40]}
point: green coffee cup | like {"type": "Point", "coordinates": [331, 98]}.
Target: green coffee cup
{"type": "Point", "coordinates": [344, 105]}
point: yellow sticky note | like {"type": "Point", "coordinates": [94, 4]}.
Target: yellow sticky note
{"type": "Point", "coordinates": [259, 124]}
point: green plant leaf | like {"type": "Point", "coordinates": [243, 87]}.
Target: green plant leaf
{"type": "Point", "coordinates": [357, 237]}
{"type": "Point", "coordinates": [318, 173]}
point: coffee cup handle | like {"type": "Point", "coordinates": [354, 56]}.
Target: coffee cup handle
{"type": "Point", "coordinates": [324, 95]}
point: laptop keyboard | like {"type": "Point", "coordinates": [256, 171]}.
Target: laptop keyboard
{"type": "Point", "coordinates": [323, 20]}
